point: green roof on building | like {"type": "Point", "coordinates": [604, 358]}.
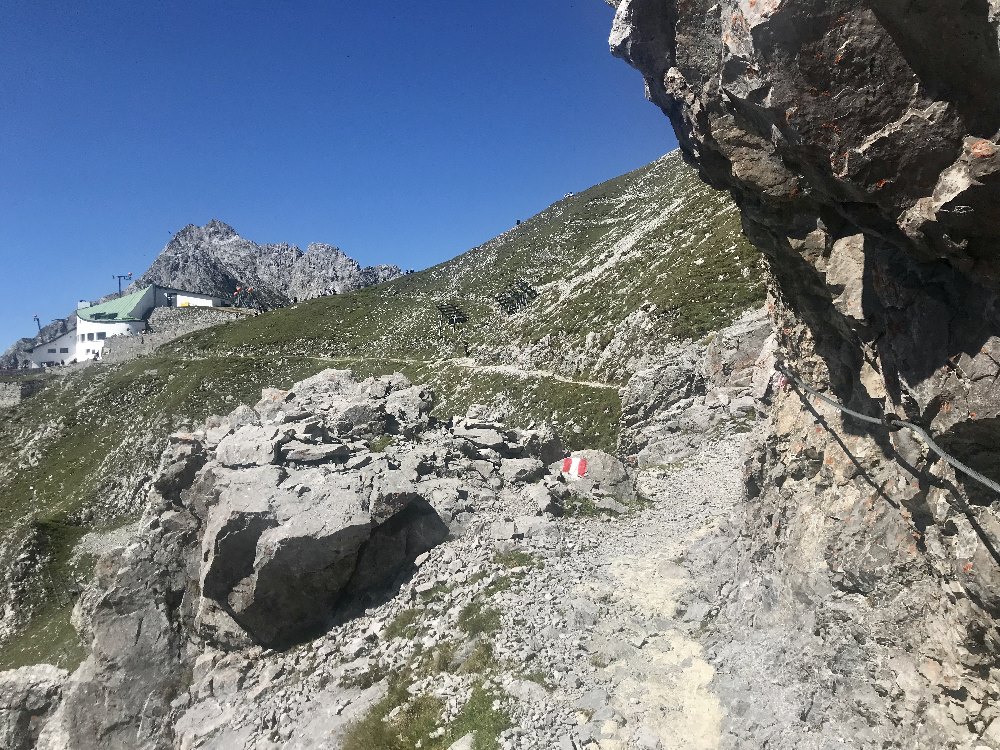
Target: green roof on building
{"type": "Point", "coordinates": [121, 310]}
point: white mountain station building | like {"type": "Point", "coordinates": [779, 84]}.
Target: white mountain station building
{"type": "Point", "coordinates": [57, 351]}
{"type": "Point", "coordinates": [123, 316]}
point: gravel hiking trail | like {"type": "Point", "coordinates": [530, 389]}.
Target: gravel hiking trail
{"type": "Point", "coordinates": [646, 680]}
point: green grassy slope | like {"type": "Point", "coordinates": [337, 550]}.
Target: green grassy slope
{"type": "Point", "coordinates": [621, 269]}
{"type": "Point", "coordinates": [655, 237]}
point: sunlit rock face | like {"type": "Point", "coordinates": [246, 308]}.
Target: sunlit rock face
{"type": "Point", "coordinates": [214, 259]}
{"type": "Point", "coordinates": [860, 141]}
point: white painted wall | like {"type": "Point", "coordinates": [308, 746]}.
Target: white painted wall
{"type": "Point", "coordinates": [87, 341]}
{"type": "Point", "coordinates": [90, 336]}
{"type": "Point", "coordinates": [52, 354]}
{"type": "Point", "coordinates": [185, 299]}
{"type": "Point", "coordinates": [196, 300]}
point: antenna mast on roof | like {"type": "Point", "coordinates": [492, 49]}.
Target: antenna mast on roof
{"type": "Point", "coordinates": [127, 276]}
{"type": "Point", "coordinates": [38, 322]}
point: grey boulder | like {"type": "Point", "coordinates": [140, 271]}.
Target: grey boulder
{"type": "Point", "coordinates": [27, 695]}
{"type": "Point", "coordinates": [606, 477]}
{"type": "Point", "coordinates": [281, 551]}
{"type": "Point", "coordinates": [521, 470]}
{"type": "Point", "coordinates": [250, 445]}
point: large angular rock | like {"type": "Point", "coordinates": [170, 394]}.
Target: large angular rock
{"type": "Point", "coordinates": [310, 453]}
{"type": "Point", "coordinates": [542, 443]}
{"type": "Point", "coordinates": [731, 357]}
{"type": "Point", "coordinates": [27, 696]}
{"type": "Point", "coordinates": [246, 543]}
{"type": "Point", "coordinates": [271, 407]}
{"type": "Point", "coordinates": [521, 470]}
{"type": "Point", "coordinates": [606, 477]}
{"type": "Point", "coordinates": [408, 409]}
{"type": "Point", "coordinates": [281, 550]}
{"type": "Point", "coordinates": [482, 437]}
{"type": "Point", "coordinates": [120, 696]}
{"type": "Point", "coordinates": [360, 419]}
{"type": "Point", "coordinates": [394, 544]}
{"type": "Point", "coordinates": [250, 445]}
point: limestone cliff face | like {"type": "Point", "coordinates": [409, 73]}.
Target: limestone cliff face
{"type": "Point", "coordinates": [860, 141]}
{"type": "Point", "coordinates": [214, 259]}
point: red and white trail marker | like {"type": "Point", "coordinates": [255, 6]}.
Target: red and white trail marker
{"type": "Point", "coordinates": [574, 467]}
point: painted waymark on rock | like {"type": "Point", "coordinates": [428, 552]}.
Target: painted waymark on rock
{"type": "Point", "coordinates": [574, 467]}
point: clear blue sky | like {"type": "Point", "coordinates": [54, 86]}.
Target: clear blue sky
{"type": "Point", "coordinates": [403, 132]}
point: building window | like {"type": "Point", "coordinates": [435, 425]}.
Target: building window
{"type": "Point", "coordinates": [82, 337]}
{"type": "Point", "coordinates": [90, 337]}
{"type": "Point", "coordinates": [101, 336]}
{"type": "Point", "coordinates": [52, 351]}
{"type": "Point", "coordinates": [63, 350]}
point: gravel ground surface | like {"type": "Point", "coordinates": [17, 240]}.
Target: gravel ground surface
{"type": "Point", "coordinates": [585, 634]}
{"type": "Point", "coordinates": [99, 543]}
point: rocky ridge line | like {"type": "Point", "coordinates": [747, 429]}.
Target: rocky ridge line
{"type": "Point", "coordinates": [214, 259]}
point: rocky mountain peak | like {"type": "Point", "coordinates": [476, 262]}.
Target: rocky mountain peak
{"type": "Point", "coordinates": [215, 259]}
{"type": "Point", "coordinates": [220, 229]}
{"type": "Point", "coordinates": [325, 249]}
{"type": "Point", "coordinates": [214, 230]}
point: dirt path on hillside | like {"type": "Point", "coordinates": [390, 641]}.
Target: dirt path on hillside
{"type": "Point", "coordinates": [469, 363]}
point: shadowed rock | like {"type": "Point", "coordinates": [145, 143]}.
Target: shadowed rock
{"type": "Point", "coordinates": [27, 695]}
{"type": "Point", "coordinates": [861, 143]}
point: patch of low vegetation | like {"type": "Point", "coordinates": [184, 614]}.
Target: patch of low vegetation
{"type": "Point", "coordinates": [584, 416]}
{"type": "Point", "coordinates": [599, 660]}
{"type": "Point", "coordinates": [481, 660]}
{"type": "Point", "coordinates": [51, 639]}
{"type": "Point", "coordinates": [437, 593]}
{"type": "Point", "coordinates": [363, 680]}
{"type": "Point", "coordinates": [738, 424]}
{"type": "Point", "coordinates": [439, 659]}
{"type": "Point", "coordinates": [414, 720]}
{"type": "Point", "coordinates": [498, 584]}
{"type": "Point", "coordinates": [379, 444]}
{"type": "Point", "coordinates": [480, 715]}
{"type": "Point", "coordinates": [476, 618]}
{"type": "Point", "coordinates": [539, 677]}
{"type": "Point", "coordinates": [404, 625]}
{"type": "Point", "coordinates": [669, 467]}
{"type": "Point", "coordinates": [514, 558]}
{"type": "Point", "coordinates": [580, 506]}
{"type": "Point", "coordinates": [476, 577]}
{"type": "Point", "coordinates": [401, 720]}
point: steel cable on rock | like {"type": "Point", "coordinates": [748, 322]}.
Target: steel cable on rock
{"type": "Point", "coordinates": [892, 422]}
